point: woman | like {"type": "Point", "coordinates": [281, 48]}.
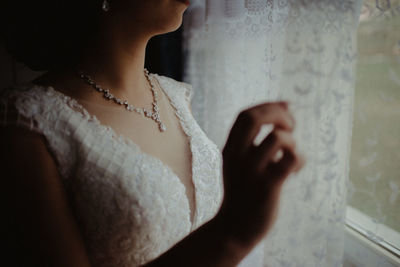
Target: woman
{"type": "Point", "coordinates": [105, 163]}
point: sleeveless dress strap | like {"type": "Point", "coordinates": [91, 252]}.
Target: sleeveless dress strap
{"type": "Point", "coordinates": [11, 116]}
{"type": "Point", "coordinates": [38, 109]}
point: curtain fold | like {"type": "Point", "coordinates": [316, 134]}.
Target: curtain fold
{"type": "Point", "coordinates": [242, 52]}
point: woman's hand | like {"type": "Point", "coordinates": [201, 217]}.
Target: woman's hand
{"type": "Point", "coordinates": [253, 175]}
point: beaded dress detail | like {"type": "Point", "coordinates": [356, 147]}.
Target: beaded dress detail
{"type": "Point", "coordinates": [130, 206]}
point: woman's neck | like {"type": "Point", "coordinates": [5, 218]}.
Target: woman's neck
{"type": "Point", "coordinates": [117, 63]}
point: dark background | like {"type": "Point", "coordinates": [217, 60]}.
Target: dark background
{"type": "Point", "coordinates": [164, 55]}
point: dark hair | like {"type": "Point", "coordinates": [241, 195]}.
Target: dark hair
{"type": "Point", "coordinates": [48, 34]}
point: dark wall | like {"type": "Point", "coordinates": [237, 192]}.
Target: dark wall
{"type": "Point", "coordinates": [164, 55]}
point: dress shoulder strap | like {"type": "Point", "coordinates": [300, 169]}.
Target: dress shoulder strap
{"type": "Point", "coordinates": [179, 89]}
{"type": "Point", "coordinates": [39, 109]}
{"type": "Point", "coordinates": [10, 115]}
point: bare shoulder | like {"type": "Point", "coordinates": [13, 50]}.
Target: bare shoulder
{"type": "Point", "coordinates": [40, 221]}
{"type": "Point", "coordinates": [24, 151]}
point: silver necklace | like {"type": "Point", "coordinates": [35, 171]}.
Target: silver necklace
{"type": "Point", "coordinates": [154, 114]}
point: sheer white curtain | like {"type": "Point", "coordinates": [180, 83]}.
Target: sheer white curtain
{"type": "Point", "coordinates": [243, 52]}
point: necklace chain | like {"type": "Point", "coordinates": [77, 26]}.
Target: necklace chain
{"type": "Point", "coordinates": [153, 114]}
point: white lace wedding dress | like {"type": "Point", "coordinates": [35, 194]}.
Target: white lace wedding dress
{"type": "Point", "coordinates": [130, 206]}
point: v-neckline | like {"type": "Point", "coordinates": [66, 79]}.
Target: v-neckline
{"type": "Point", "coordinates": [75, 106]}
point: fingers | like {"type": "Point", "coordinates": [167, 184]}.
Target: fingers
{"type": "Point", "coordinates": [290, 162]}
{"type": "Point", "coordinates": [268, 149]}
{"type": "Point", "coordinates": [249, 122]}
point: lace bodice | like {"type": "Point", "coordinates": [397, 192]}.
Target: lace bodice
{"type": "Point", "coordinates": [130, 206]}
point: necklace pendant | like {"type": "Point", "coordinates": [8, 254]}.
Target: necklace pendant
{"type": "Point", "coordinates": [162, 127]}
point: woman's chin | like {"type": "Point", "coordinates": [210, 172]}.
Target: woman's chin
{"type": "Point", "coordinates": [171, 27]}
{"type": "Point", "coordinates": [185, 2]}
{"type": "Point", "coordinates": [160, 16]}
{"type": "Point", "coordinates": [171, 22]}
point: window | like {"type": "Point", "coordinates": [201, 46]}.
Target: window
{"type": "Point", "coordinates": [374, 187]}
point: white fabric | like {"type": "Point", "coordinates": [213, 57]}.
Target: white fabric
{"type": "Point", "coordinates": [242, 52]}
{"type": "Point", "coordinates": [129, 205]}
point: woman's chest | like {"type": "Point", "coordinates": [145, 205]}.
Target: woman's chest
{"type": "Point", "coordinates": [172, 148]}
{"type": "Point", "coordinates": [121, 194]}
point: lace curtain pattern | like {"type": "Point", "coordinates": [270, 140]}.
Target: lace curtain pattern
{"type": "Point", "coordinates": [243, 52]}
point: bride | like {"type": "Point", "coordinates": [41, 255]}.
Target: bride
{"type": "Point", "coordinates": [105, 164]}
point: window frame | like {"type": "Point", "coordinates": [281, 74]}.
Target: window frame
{"type": "Point", "coordinates": [383, 240]}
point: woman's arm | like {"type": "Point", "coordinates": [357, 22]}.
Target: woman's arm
{"type": "Point", "coordinates": [41, 229]}
{"type": "Point", "coordinates": [210, 245]}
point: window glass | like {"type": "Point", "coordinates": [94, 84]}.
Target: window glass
{"type": "Point", "coordinates": [374, 195]}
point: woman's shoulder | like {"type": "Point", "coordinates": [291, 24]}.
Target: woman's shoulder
{"type": "Point", "coordinates": [17, 107]}
{"type": "Point", "coordinates": [24, 92]}
{"type": "Point", "coordinates": [42, 112]}
{"type": "Point", "coordinates": [27, 105]}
